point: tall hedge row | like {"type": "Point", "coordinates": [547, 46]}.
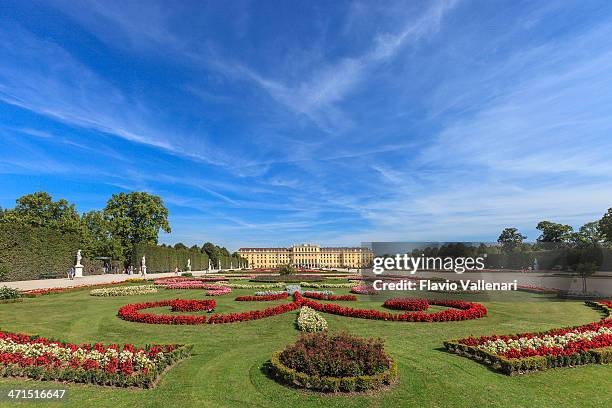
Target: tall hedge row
{"type": "Point", "coordinates": [30, 252]}
{"type": "Point", "coordinates": [164, 259]}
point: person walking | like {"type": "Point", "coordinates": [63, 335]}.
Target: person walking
{"type": "Point", "coordinates": [71, 273]}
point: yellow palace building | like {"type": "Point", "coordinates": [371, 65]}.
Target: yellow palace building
{"type": "Point", "coordinates": [308, 256]}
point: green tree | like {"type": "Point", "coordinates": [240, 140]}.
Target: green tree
{"type": "Point", "coordinates": [39, 210]}
{"type": "Point", "coordinates": [136, 218]}
{"type": "Point", "coordinates": [287, 270]}
{"type": "Point", "coordinates": [553, 232]}
{"type": "Point", "coordinates": [588, 234]}
{"type": "Point", "coordinates": [97, 237]}
{"type": "Point", "coordinates": [180, 245]}
{"type": "Point", "coordinates": [605, 226]}
{"type": "Point", "coordinates": [213, 252]}
{"type": "Point", "coordinates": [511, 239]}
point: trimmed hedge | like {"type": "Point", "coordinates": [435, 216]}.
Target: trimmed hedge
{"type": "Point", "coordinates": [288, 376]}
{"type": "Point", "coordinates": [165, 259]}
{"type": "Point", "coordinates": [28, 252]}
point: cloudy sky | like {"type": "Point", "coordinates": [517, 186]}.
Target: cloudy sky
{"type": "Point", "coordinates": [270, 123]}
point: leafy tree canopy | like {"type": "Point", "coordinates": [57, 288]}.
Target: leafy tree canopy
{"type": "Point", "coordinates": [39, 210]}
{"type": "Point", "coordinates": [136, 218]}
{"type": "Point", "coordinates": [511, 239]}
{"type": "Point", "coordinates": [553, 232]}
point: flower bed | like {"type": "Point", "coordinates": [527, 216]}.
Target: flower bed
{"type": "Point", "coordinates": [132, 312]}
{"type": "Point", "coordinates": [264, 298]}
{"type": "Point", "coordinates": [364, 290]}
{"type": "Point", "coordinates": [460, 310]}
{"type": "Point", "coordinates": [254, 286]}
{"type": "Point", "coordinates": [334, 363]}
{"type": "Point", "coordinates": [310, 321]}
{"type": "Point", "coordinates": [326, 285]}
{"type": "Point", "coordinates": [323, 296]}
{"type": "Point", "coordinates": [124, 290]}
{"type": "Point", "coordinates": [182, 305]}
{"type": "Point", "coordinates": [22, 355]}
{"type": "Point", "coordinates": [269, 292]}
{"type": "Point", "coordinates": [526, 352]}
{"type": "Point", "coordinates": [49, 291]}
{"type": "Point", "coordinates": [406, 304]}
{"type": "Point", "coordinates": [217, 290]}
{"type": "Point", "coordinates": [288, 278]}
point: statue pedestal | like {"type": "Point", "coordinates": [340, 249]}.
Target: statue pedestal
{"type": "Point", "coordinates": [78, 271]}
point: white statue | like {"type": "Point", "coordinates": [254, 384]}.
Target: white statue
{"type": "Point", "coordinates": [144, 265]}
{"type": "Point", "coordinates": [219, 264]}
{"type": "Point", "coordinates": [189, 264]}
{"type": "Point", "coordinates": [209, 265]}
{"type": "Point", "coordinates": [79, 257]}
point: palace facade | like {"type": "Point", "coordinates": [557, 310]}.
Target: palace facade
{"type": "Point", "coordinates": [308, 256]}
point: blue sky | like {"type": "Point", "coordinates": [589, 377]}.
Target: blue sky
{"type": "Point", "coordinates": [270, 123]}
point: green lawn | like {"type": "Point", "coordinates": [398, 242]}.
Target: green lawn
{"type": "Point", "coordinates": [225, 369]}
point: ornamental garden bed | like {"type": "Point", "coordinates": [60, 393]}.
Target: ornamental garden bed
{"type": "Point", "coordinates": [124, 291]}
{"type": "Point", "coordinates": [23, 355]}
{"type": "Point", "coordinates": [288, 278]}
{"type": "Point", "coordinates": [527, 352]}
{"type": "Point", "coordinates": [334, 363]}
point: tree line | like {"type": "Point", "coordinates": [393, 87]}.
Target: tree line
{"type": "Point", "coordinates": [127, 220]}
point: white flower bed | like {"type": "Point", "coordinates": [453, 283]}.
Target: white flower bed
{"type": "Point", "coordinates": [254, 286]}
{"type": "Point", "coordinates": [502, 346]}
{"type": "Point", "coordinates": [326, 285]}
{"type": "Point", "coordinates": [311, 321]}
{"type": "Point", "coordinates": [124, 290]}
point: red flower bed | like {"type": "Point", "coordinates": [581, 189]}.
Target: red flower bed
{"type": "Point", "coordinates": [460, 311]}
{"type": "Point", "coordinates": [406, 304]}
{"type": "Point", "coordinates": [39, 358]}
{"type": "Point", "coordinates": [253, 315]}
{"type": "Point", "coordinates": [265, 298]}
{"type": "Point", "coordinates": [131, 312]}
{"type": "Point", "coordinates": [181, 305]}
{"type": "Point", "coordinates": [322, 296]}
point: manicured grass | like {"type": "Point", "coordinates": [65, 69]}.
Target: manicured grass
{"type": "Point", "coordinates": [225, 369]}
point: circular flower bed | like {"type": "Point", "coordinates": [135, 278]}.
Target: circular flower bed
{"type": "Point", "coordinates": [406, 304]}
{"type": "Point", "coordinates": [334, 363]}
{"type": "Point", "coordinates": [124, 290]}
{"type": "Point", "coordinates": [288, 278]}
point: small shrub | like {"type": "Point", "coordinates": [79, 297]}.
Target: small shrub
{"type": "Point", "coordinates": [187, 274]}
{"type": "Point", "coordinates": [336, 355]}
{"type": "Point", "coordinates": [7, 293]}
{"type": "Point", "coordinates": [286, 270]}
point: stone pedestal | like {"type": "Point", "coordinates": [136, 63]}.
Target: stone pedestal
{"type": "Point", "coordinates": [78, 271]}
